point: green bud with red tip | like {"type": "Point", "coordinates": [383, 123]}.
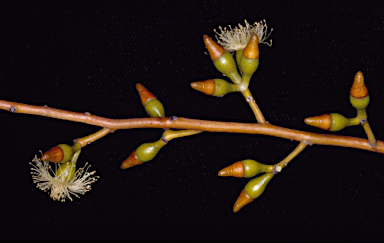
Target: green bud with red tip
{"type": "Point", "coordinates": [246, 168]}
{"type": "Point", "coordinates": [332, 122]}
{"type": "Point", "coordinates": [144, 153]}
{"type": "Point", "coordinates": [215, 87]}
{"type": "Point", "coordinates": [151, 104]}
{"type": "Point", "coordinates": [252, 190]}
{"type": "Point", "coordinates": [61, 153]}
{"type": "Point", "coordinates": [222, 60]}
{"type": "Point", "coordinates": [249, 62]}
{"type": "Point", "coordinates": [359, 97]}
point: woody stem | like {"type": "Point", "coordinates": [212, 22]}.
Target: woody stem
{"type": "Point", "coordinates": [194, 124]}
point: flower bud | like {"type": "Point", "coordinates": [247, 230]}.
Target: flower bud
{"type": "Point", "coordinates": [256, 187]}
{"type": "Point", "coordinates": [151, 104]}
{"type": "Point", "coordinates": [332, 122]}
{"type": "Point", "coordinates": [246, 168]}
{"type": "Point", "coordinates": [67, 170]}
{"type": "Point", "coordinates": [61, 153]}
{"type": "Point", "coordinates": [252, 190]}
{"type": "Point", "coordinates": [144, 153]}
{"type": "Point", "coordinates": [222, 60]}
{"type": "Point", "coordinates": [359, 97]}
{"type": "Point", "coordinates": [253, 168]}
{"type": "Point", "coordinates": [215, 87]}
{"type": "Point", "coordinates": [241, 201]}
{"type": "Point", "coordinates": [250, 60]}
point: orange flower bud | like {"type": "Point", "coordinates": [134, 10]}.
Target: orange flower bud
{"type": "Point", "coordinates": [207, 87]}
{"type": "Point", "coordinates": [358, 89]}
{"type": "Point", "coordinates": [214, 49]}
{"type": "Point", "coordinates": [54, 154]}
{"type": "Point", "coordinates": [241, 201]}
{"type": "Point", "coordinates": [236, 170]}
{"type": "Point", "coordinates": [251, 51]}
{"type": "Point", "coordinates": [324, 121]}
{"type": "Point", "coordinates": [144, 93]}
{"type": "Point", "coordinates": [131, 161]}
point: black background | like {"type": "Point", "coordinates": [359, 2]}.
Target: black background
{"type": "Point", "coordinates": [87, 56]}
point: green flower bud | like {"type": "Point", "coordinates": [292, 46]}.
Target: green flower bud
{"type": "Point", "coordinates": [61, 153]}
{"type": "Point", "coordinates": [253, 168]}
{"type": "Point", "coordinates": [67, 170]}
{"type": "Point", "coordinates": [239, 55]}
{"type": "Point", "coordinates": [256, 187]}
{"type": "Point", "coordinates": [148, 151]}
{"type": "Point", "coordinates": [338, 122]}
{"type": "Point", "coordinates": [154, 108]}
{"type": "Point", "coordinates": [359, 104]}
{"type": "Point", "coordinates": [248, 68]}
{"type": "Point", "coordinates": [227, 66]}
{"type": "Point", "coordinates": [222, 87]}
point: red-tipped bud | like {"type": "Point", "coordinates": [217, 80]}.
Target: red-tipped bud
{"type": "Point", "coordinates": [236, 170]}
{"type": "Point", "coordinates": [214, 49]}
{"type": "Point", "coordinates": [358, 89]}
{"type": "Point", "coordinates": [54, 154]}
{"type": "Point", "coordinates": [207, 87]}
{"type": "Point", "coordinates": [144, 93]}
{"type": "Point", "coordinates": [131, 161]}
{"type": "Point", "coordinates": [324, 121]}
{"type": "Point", "coordinates": [251, 51]}
{"type": "Point", "coordinates": [241, 201]}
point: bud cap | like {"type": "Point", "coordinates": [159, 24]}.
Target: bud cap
{"type": "Point", "coordinates": [358, 89]}
{"type": "Point", "coordinates": [144, 93]}
{"type": "Point", "coordinates": [241, 201]}
{"type": "Point", "coordinates": [251, 51]}
{"type": "Point", "coordinates": [131, 161]}
{"type": "Point", "coordinates": [236, 170]}
{"type": "Point", "coordinates": [214, 49]}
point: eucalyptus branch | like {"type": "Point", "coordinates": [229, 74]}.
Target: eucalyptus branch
{"type": "Point", "coordinates": [194, 124]}
{"type": "Point", "coordinates": [245, 42]}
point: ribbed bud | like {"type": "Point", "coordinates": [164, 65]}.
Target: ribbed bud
{"type": "Point", "coordinates": [148, 151]}
{"type": "Point", "coordinates": [236, 169]}
{"type": "Point", "coordinates": [256, 187]}
{"type": "Point", "coordinates": [324, 121]}
{"type": "Point", "coordinates": [241, 201]}
{"type": "Point", "coordinates": [59, 154]}
{"type": "Point", "coordinates": [131, 161]}
{"type": "Point", "coordinates": [358, 89]}
{"type": "Point", "coordinates": [253, 168]}
{"type": "Point", "coordinates": [222, 60]}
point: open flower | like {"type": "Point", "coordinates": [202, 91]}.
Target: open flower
{"type": "Point", "coordinates": [62, 185]}
{"type": "Point", "coordinates": [238, 37]}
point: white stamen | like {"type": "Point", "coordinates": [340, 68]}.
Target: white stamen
{"type": "Point", "coordinates": [60, 187]}
{"type": "Point", "coordinates": [238, 38]}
